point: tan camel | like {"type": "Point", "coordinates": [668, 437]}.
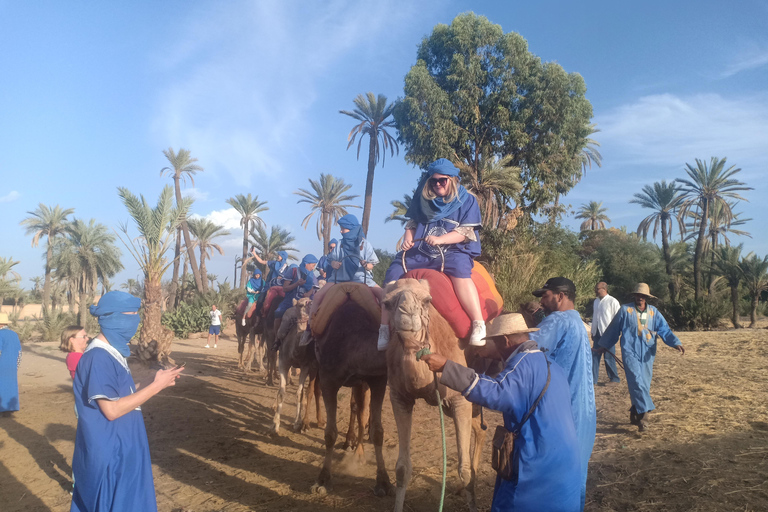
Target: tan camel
{"type": "Point", "coordinates": [415, 324]}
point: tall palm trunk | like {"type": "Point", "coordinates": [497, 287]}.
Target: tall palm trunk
{"type": "Point", "coordinates": [183, 279]}
{"type": "Point", "coordinates": [713, 250]}
{"type": "Point", "coordinates": [188, 240]}
{"type": "Point", "coordinates": [203, 270]}
{"type": "Point", "coordinates": [368, 185]}
{"type": "Point", "coordinates": [47, 284]}
{"type": "Point", "coordinates": [152, 308]}
{"type": "Point", "coordinates": [173, 302]}
{"type": "Point", "coordinates": [243, 269]}
{"type": "Point", "coordinates": [327, 220]}
{"type": "Point", "coordinates": [753, 313]}
{"type": "Point", "coordinates": [735, 303]}
{"type": "Point", "coordinates": [668, 259]}
{"type": "Point", "coordinates": [698, 254]}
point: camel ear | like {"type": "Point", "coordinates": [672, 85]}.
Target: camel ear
{"type": "Point", "coordinates": [424, 283]}
{"type": "Point", "coordinates": [295, 302]}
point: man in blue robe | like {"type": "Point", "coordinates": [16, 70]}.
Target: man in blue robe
{"type": "Point", "coordinates": [564, 336]}
{"type": "Point", "coordinates": [10, 359]}
{"type": "Point", "coordinates": [324, 268]}
{"type": "Point", "coordinates": [638, 323]}
{"type": "Point", "coordinates": [546, 471]}
{"type": "Point", "coordinates": [354, 258]}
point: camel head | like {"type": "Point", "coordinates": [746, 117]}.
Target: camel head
{"type": "Point", "coordinates": [302, 309]}
{"type": "Point", "coordinates": [408, 302]}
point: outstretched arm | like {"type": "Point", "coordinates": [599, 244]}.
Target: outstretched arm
{"type": "Point", "coordinates": [114, 409]}
{"type": "Point", "coordinates": [257, 258]}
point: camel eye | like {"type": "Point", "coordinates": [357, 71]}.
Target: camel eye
{"type": "Point", "coordinates": [389, 304]}
{"type": "Point", "coordinates": [427, 300]}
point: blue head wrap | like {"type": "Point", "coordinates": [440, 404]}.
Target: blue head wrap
{"type": "Point", "coordinates": [425, 211]}
{"type": "Point", "coordinates": [256, 283]}
{"type": "Point", "coordinates": [116, 327]}
{"type": "Point", "coordinates": [333, 242]}
{"type": "Point", "coordinates": [350, 243]}
{"type": "Point", "coordinates": [305, 274]}
{"type": "Point", "coordinates": [283, 255]}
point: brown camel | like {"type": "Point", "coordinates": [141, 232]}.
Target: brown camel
{"type": "Point", "coordinates": [266, 327]}
{"type": "Point", "coordinates": [248, 332]}
{"type": "Point", "coordinates": [414, 325]}
{"type": "Point", "coordinates": [292, 355]}
{"type": "Point", "coordinates": [347, 356]}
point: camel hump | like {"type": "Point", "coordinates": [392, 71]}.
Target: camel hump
{"type": "Point", "coordinates": [339, 294]}
{"type": "Point", "coordinates": [447, 304]}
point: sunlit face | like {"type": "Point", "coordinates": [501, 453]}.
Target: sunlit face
{"type": "Point", "coordinates": [640, 302]}
{"type": "Point", "coordinates": [79, 340]}
{"type": "Point", "coordinates": [343, 230]}
{"type": "Point", "coordinates": [333, 246]}
{"type": "Point", "coordinates": [600, 292]}
{"type": "Point", "coordinates": [439, 184]}
{"type": "Point", "coordinates": [213, 307]}
{"type": "Point", "coordinates": [310, 266]}
{"type": "Point", "coordinates": [550, 301]}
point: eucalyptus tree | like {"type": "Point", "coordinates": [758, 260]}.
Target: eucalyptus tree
{"type": "Point", "coordinates": [249, 209]}
{"type": "Point", "coordinates": [329, 201]}
{"type": "Point", "coordinates": [494, 182]}
{"type": "Point", "coordinates": [183, 166]}
{"type": "Point", "coordinates": [269, 244]}
{"type": "Point", "coordinates": [50, 223]}
{"type": "Point", "coordinates": [476, 92]}
{"type": "Point", "coordinates": [85, 257]}
{"type": "Point", "coordinates": [205, 232]}
{"type": "Point", "coordinates": [665, 199]}
{"type": "Point", "coordinates": [594, 215]}
{"type": "Point", "coordinates": [706, 186]}
{"type": "Point", "coordinates": [755, 272]}
{"type": "Point", "coordinates": [156, 226]}
{"type": "Point", "coordinates": [727, 264]}
{"type": "Point", "coordinates": [375, 117]}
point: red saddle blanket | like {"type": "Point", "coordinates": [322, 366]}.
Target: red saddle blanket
{"type": "Point", "coordinates": [447, 304]}
{"type": "Point", "coordinates": [272, 294]}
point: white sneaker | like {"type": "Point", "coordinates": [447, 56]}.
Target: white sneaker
{"type": "Point", "coordinates": [242, 322]}
{"type": "Point", "coordinates": [383, 338]}
{"type": "Point", "coordinates": [207, 346]}
{"type": "Point", "coordinates": [477, 338]}
{"type": "Point", "coordinates": [216, 346]}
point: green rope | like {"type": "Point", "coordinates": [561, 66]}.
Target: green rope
{"type": "Point", "coordinates": [420, 353]}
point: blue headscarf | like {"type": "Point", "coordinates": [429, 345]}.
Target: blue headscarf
{"type": "Point", "coordinates": [333, 242]}
{"type": "Point", "coordinates": [256, 283]}
{"type": "Point", "coordinates": [283, 255]}
{"type": "Point", "coordinates": [425, 211]}
{"type": "Point", "coordinates": [350, 243]}
{"type": "Point", "coordinates": [116, 327]}
{"type": "Point", "coordinates": [306, 274]}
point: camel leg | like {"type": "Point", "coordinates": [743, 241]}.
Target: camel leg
{"type": "Point", "coordinates": [284, 368]}
{"type": "Point", "coordinates": [300, 423]}
{"type": "Point", "coordinates": [260, 348]}
{"type": "Point", "coordinates": [351, 440]}
{"type": "Point", "coordinates": [320, 410]}
{"type": "Point", "coordinates": [363, 412]}
{"type": "Point", "coordinates": [330, 391]}
{"type": "Point", "coordinates": [477, 447]}
{"type": "Point", "coordinates": [462, 421]}
{"type": "Point", "coordinates": [402, 407]}
{"type": "Point", "coordinates": [377, 391]}
{"type": "Point", "coordinates": [271, 367]}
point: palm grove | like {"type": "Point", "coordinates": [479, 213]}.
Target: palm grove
{"type": "Point", "coordinates": [520, 131]}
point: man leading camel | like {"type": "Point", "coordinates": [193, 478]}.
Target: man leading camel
{"type": "Point", "coordinates": [563, 336]}
{"type": "Point", "coordinates": [546, 472]}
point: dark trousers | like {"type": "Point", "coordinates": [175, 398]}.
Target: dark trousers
{"type": "Point", "coordinates": [610, 363]}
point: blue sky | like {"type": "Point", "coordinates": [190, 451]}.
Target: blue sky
{"type": "Point", "coordinates": [92, 92]}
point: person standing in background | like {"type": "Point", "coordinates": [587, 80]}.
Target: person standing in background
{"type": "Point", "coordinates": [215, 327]}
{"type": "Point", "coordinates": [604, 309]}
{"type": "Point", "coordinates": [10, 359]}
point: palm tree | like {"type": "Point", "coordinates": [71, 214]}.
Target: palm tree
{"type": "Point", "coordinates": [212, 278]}
{"type": "Point", "coordinates": [156, 228]}
{"type": "Point", "coordinates": [595, 216]}
{"type": "Point", "coordinates": [665, 200]}
{"type": "Point", "coordinates": [493, 181]}
{"type": "Point", "coordinates": [204, 232]}
{"type": "Point", "coordinates": [398, 214]}
{"type": "Point", "coordinates": [728, 266]}
{"type": "Point", "coordinates": [249, 209]}
{"type": "Point", "coordinates": [183, 166]}
{"type": "Point", "coordinates": [86, 256]}
{"type": "Point", "coordinates": [6, 264]}
{"type": "Point", "coordinates": [755, 272]}
{"type": "Point", "coordinates": [707, 185]}
{"type": "Point", "coordinates": [268, 245]}
{"type": "Point", "coordinates": [47, 222]}
{"type": "Point", "coordinates": [589, 153]}
{"type": "Point", "coordinates": [134, 287]}
{"type": "Point", "coordinates": [9, 279]}
{"type": "Point", "coordinates": [373, 114]}
{"type": "Point", "coordinates": [328, 201]}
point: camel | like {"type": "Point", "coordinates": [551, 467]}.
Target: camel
{"type": "Point", "coordinates": [347, 356]}
{"type": "Point", "coordinates": [292, 355]}
{"type": "Point", "coordinates": [266, 328]}
{"type": "Point", "coordinates": [248, 332]}
{"type": "Point", "coordinates": [414, 325]}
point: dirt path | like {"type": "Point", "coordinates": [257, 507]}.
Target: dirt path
{"type": "Point", "coordinates": [706, 449]}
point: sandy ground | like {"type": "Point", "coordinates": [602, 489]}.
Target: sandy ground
{"type": "Point", "coordinates": [706, 448]}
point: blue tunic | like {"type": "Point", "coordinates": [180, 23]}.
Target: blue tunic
{"type": "Point", "coordinates": [10, 357]}
{"type": "Point", "coordinates": [546, 459]}
{"type": "Point", "coordinates": [638, 349]}
{"type": "Point", "coordinates": [291, 275]}
{"type": "Point", "coordinates": [565, 337]}
{"type": "Point", "coordinates": [111, 463]}
{"type": "Point", "coordinates": [361, 275]}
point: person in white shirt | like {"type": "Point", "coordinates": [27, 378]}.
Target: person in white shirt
{"type": "Point", "coordinates": [604, 309]}
{"type": "Point", "coordinates": [215, 328]}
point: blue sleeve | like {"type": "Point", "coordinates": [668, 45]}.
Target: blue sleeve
{"type": "Point", "coordinates": [369, 254]}
{"type": "Point", "coordinates": [611, 335]}
{"type": "Point", "coordinates": [664, 332]}
{"type": "Point", "coordinates": [469, 214]}
{"type": "Point", "coordinates": [98, 377]}
{"type": "Point", "coordinates": [500, 393]}
{"type": "Point", "coordinates": [549, 334]}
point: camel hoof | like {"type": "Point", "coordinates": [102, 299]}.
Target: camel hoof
{"type": "Point", "coordinates": [321, 426]}
{"type": "Point", "coordinates": [319, 490]}
{"type": "Point", "coordinates": [381, 490]}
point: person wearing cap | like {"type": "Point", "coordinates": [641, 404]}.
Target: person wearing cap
{"type": "Point", "coordinates": [604, 308]}
{"type": "Point", "coordinates": [111, 462]}
{"type": "Point", "coordinates": [10, 359]}
{"type": "Point", "coordinates": [638, 324]}
{"type": "Point", "coordinates": [441, 234]}
{"type": "Point", "coordinates": [563, 336]}
{"type": "Point", "coordinates": [546, 459]}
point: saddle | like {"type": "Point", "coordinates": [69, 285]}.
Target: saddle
{"type": "Point", "coordinates": [272, 293]}
{"type": "Point", "coordinates": [447, 303]}
{"type": "Point", "coordinates": [337, 295]}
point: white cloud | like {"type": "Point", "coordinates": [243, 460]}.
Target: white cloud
{"type": "Point", "coordinates": [229, 219]}
{"type": "Point", "coordinates": [196, 194]}
{"type": "Point", "coordinates": [10, 196]}
{"type": "Point", "coordinates": [756, 56]}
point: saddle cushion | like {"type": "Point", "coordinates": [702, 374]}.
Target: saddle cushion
{"type": "Point", "coordinates": [338, 294]}
{"type": "Point", "coordinates": [447, 304]}
{"type": "Point", "coordinates": [275, 291]}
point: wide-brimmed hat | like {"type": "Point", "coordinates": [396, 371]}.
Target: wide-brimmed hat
{"type": "Point", "coordinates": [4, 318]}
{"type": "Point", "coordinates": [510, 323]}
{"type": "Point", "coordinates": [643, 289]}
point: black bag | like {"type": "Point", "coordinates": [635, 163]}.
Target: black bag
{"type": "Point", "coordinates": [504, 440]}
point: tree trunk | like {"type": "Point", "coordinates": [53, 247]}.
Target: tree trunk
{"type": "Point", "coordinates": [47, 284]}
{"type": "Point", "coordinates": [753, 313]}
{"type": "Point", "coordinates": [735, 303]}
{"type": "Point", "coordinates": [327, 221]}
{"type": "Point", "coordinates": [188, 241]}
{"type": "Point", "coordinates": [154, 339]}
{"type": "Point", "coordinates": [697, 255]}
{"type": "Point", "coordinates": [203, 270]}
{"type": "Point", "coordinates": [172, 302]}
{"type": "Point", "coordinates": [183, 280]}
{"type": "Point", "coordinates": [82, 308]}
{"type": "Point", "coordinates": [667, 258]}
{"type": "Point", "coordinates": [243, 269]}
{"type": "Point", "coordinates": [369, 183]}
{"type": "Point", "coordinates": [712, 250]}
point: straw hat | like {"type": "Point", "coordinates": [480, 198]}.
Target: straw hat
{"type": "Point", "coordinates": [510, 323]}
{"type": "Point", "coordinates": [4, 319]}
{"type": "Point", "coordinates": [643, 289]}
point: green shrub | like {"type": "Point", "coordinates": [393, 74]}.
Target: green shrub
{"type": "Point", "coordinates": [187, 318]}
{"type": "Point", "coordinates": [52, 323]}
{"type": "Point", "coordinates": [25, 329]}
{"type": "Point", "coordinates": [692, 314]}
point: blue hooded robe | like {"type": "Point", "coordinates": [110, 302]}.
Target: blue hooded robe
{"type": "Point", "coordinates": [351, 252]}
{"type": "Point", "coordinates": [10, 358]}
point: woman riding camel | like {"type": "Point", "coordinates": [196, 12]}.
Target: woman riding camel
{"type": "Point", "coordinates": [253, 290]}
{"type": "Point", "coordinates": [441, 234]}
{"type": "Point", "coordinates": [299, 282]}
{"type": "Point", "coordinates": [275, 267]}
